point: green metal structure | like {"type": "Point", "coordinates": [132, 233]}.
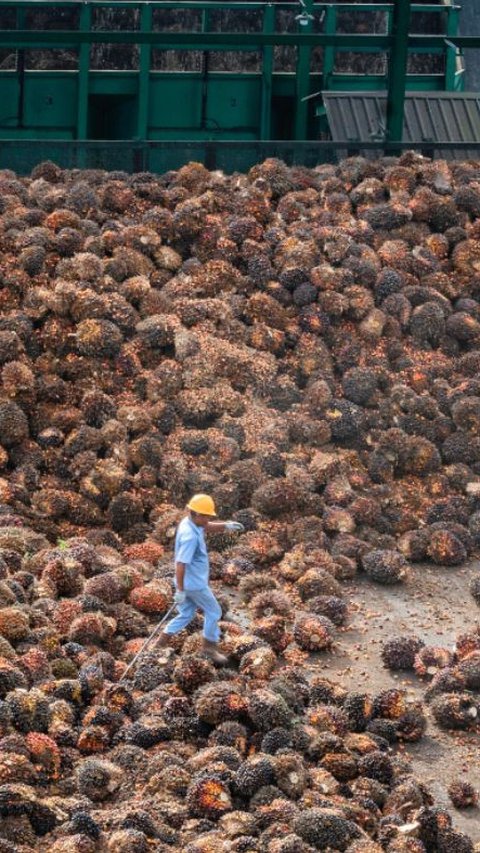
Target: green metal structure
{"type": "Point", "coordinates": [58, 106]}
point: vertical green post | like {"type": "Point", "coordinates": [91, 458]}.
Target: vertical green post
{"type": "Point", "coordinates": [329, 51]}
{"type": "Point", "coordinates": [389, 31]}
{"type": "Point", "coordinates": [83, 69]}
{"type": "Point", "coordinates": [205, 72]}
{"type": "Point", "coordinates": [302, 82]}
{"type": "Point", "coordinates": [451, 50]}
{"type": "Point", "coordinates": [20, 66]}
{"type": "Point", "coordinates": [397, 70]}
{"type": "Point", "coordinates": [267, 71]}
{"type": "Point", "coordinates": [144, 73]}
{"type": "Point", "coordinates": [21, 17]}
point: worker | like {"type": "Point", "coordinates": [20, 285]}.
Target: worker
{"type": "Point", "coordinates": [192, 571]}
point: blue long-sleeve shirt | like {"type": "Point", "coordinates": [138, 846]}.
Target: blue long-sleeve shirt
{"type": "Point", "coordinates": [191, 549]}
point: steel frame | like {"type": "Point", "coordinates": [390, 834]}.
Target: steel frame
{"type": "Point", "coordinates": [397, 42]}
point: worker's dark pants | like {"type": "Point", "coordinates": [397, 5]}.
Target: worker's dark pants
{"type": "Point", "coordinates": [198, 599]}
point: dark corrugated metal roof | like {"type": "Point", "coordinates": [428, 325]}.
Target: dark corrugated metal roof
{"type": "Point", "coordinates": [429, 117]}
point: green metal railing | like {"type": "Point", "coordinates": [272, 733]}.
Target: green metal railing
{"type": "Point", "coordinates": [157, 157]}
{"type": "Point", "coordinates": [396, 42]}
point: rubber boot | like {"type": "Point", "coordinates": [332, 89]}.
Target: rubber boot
{"type": "Point", "coordinates": [210, 650]}
{"type": "Point", "coordinates": [164, 640]}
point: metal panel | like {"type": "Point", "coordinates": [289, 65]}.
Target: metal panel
{"type": "Point", "coordinates": [47, 108]}
{"type": "Point", "coordinates": [429, 118]}
{"type": "Point", "coordinates": [211, 105]}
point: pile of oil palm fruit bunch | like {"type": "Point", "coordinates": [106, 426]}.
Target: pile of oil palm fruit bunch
{"type": "Point", "coordinates": [303, 346]}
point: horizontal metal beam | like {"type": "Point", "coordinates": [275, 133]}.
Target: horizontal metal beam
{"type": "Point", "coordinates": [198, 5]}
{"type": "Point", "coordinates": [346, 79]}
{"type": "Point", "coordinates": [69, 38]}
{"type": "Point", "coordinates": [41, 39]}
{"type": "Point", "coordinates": [440, 41]}
{"type": "Point", "coordinates": [238, 145]}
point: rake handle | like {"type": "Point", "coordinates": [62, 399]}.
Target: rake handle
{"type": "Point", "coordinates": [149, 639]}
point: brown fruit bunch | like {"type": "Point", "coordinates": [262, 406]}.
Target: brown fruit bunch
{"type": "Point", "coordinates": [462, 794]}
{"type": "Point", "coordinates": [313, 633]}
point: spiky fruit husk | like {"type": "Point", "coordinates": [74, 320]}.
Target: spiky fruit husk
{"type": "Point", "coordinates": [390, 704]}
{"type": "Point", "coordinates": [324, 828]}
{"type": "Point", "coordinates": [455, 711]}
{"type": "Point", "coordinates": [153, 598]}
{"type": "Point", "coordinates": [45, 753]}
{"type": "Point", "coordinates": [398, 653]}
{"type": "Point", "coordinates": [312, 632]}
{"type": "Point", "coordinates": [208, 797]}
{"type": "Point", "coordinates": [98, 779]}
{"type": "Point", "coordinates": [274, 631]}
{"type": "Point", "coordinates": [192, 671]}
{"type": "Point", "coordinates": [386, 567]}
{"type": "Point", "coordinates": [462, 794]}
{"type": "Point", "coordinates": [430, 660]}
{"type": "Point", "coordinates": [14, 624]}
{"type": "Point", "coordinates": [258, 663]}
{"type": "Point", "coordinates": [218, 702]}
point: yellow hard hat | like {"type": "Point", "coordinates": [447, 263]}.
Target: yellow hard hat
{"type": "Point", "coordinates": [203, 504]}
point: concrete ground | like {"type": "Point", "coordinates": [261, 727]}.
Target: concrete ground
{"type": "Point", "coordinates": [434, 604]}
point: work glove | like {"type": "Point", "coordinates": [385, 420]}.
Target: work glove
{"type": "Point", "coordinates": [234, 526]}
{"type": "Point", "coordinates": [179, 597]}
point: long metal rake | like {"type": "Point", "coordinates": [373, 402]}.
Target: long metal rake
{"type": "Point", "coordinates": [153, 637]}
